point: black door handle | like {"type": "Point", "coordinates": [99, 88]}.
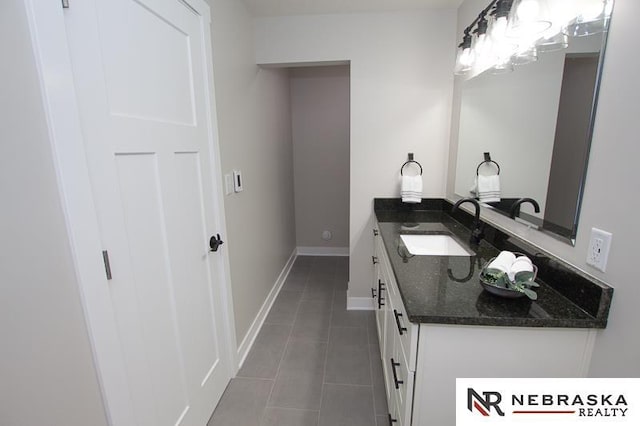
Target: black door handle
{"type": "Point", "coordinates": [401, 329]}
{"type": "Point", "coordinates": [215, 242]}
{"type": "Point", "coordinates": [395, 374]}
{"type": "Point", "coordinates": [380, 298]}
{"type": "Point", "coordinates": [391, 420]}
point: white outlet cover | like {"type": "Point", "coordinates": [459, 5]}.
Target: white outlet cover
{"type": "Point", "coordinates": [599, 247]}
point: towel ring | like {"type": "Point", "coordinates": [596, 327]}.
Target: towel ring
{"type": "Point", "coordinates": [484, 162]}
{"type": "Point", "coordinates": [410, 161]}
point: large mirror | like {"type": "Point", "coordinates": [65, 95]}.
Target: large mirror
{"type": "Point", "coordinates": [533, 126]}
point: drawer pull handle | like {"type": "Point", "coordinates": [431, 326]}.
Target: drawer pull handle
{"type": "Point", "coordinates": [395, 374]}
{"type": "Point", "coordinates": [401, 329]}
{"type": "Point", "coordinates": [391, 420]}
{"type": "Point", "coordinates": [374, 259]}
{"type": "Point", "coordinates": [380, 298]}
{"type": "Point", "coordinates": [375, 233]}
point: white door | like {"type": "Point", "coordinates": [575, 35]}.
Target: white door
{"type": "Point", "coordinates": [141, 74]}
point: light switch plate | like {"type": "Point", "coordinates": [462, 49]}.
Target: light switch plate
{"type": "Point", "coordinates": [228, 184]}
{"type": "Point", "coordinates": [237, 181]}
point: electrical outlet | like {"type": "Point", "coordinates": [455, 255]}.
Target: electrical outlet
{"type": "Point", "coordinates": [599, 246]}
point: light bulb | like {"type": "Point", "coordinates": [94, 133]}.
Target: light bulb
{"type": "Point", "coordinates": [499, 28]}
{"type": "Point", "coordinates": [592, 11]}
{"type": "Point", "coordinates": [483, 45]}
{"type": "Point", "coordinates": [528, 10]}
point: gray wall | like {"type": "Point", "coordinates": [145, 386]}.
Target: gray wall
{"type": "Point", "coordinates": [254, 121]}
{"type": "Point", "coordinates": [609, 201]}
{"type": "Point", "coordinates": [320, 126]}
{"type": "Point", "coordinates": [47, 376]}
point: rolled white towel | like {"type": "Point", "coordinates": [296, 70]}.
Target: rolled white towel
{"type": "Point", "coordinates": [521, 264]}
{"type": "Point", "coordinates": [503, 261]}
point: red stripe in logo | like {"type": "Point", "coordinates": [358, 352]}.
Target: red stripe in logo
{"type": "Point", "coordinates": [479, 408]}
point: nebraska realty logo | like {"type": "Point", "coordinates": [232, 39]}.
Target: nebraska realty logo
{"type": "Point", "coordinates": [551, 401]}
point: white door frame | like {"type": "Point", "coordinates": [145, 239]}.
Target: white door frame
{"type": "Point", "coordinates": [52, 55]}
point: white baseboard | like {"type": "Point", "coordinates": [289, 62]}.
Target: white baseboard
{"type": "Point", "coordinates": [360, 303]}
{"type": "Point", "coordinates": [323, 251]}
{"type": "Point", "coordinates": [251, 335]}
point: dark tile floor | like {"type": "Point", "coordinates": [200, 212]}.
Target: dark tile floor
{"type": "Point", "coordinates": [313, 363]}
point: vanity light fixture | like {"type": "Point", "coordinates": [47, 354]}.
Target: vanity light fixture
{"type": "Point", "coordinates": [514, 32]}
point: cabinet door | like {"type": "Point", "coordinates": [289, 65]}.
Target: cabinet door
{"type": "Point", "coordinates": [381, 314]}
{"type": "Point", "coordinates": [389, 357]}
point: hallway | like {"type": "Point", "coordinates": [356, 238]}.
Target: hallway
{"type": "Point", "coordinates": [313, 362]}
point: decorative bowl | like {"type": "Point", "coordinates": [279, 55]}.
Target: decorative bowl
{"type": "Point", "coordinates": [498, 283]}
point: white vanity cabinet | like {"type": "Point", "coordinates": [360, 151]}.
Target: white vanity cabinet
{"type": "Point", "coordinates": [422, 361]}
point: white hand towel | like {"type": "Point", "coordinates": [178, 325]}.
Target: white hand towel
{"type": "Point", "coordinates": [411, 189]}
{"type": "Point", "coordinates": [488, 188]}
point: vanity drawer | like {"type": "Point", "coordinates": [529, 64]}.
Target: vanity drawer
{"type": "Point", "coordinates": [403, 392]}
{"type": "Point", "coordinates": [406, 332]}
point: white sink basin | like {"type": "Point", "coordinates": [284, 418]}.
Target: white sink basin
{"type": "Point", "coordinates": [433, 245]}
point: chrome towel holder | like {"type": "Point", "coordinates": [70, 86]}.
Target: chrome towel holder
{"type": "Point", "coordinates": [411, 160]}
{"type": "Point", "coordinates": [487, 159]}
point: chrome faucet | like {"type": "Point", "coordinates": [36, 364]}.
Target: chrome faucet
{"type": "Point", "coordinates": [515, 208]}
{"type": "Point", "coordinates": [478, 227]}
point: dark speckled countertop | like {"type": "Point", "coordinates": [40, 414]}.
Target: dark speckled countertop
{"type": "Point", "coordinates": [446, 289]}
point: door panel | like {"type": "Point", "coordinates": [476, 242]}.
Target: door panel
{"type": "Point", "coordinates": [151, 280]}
{"type": "Point", "coordinates": [149, 74]}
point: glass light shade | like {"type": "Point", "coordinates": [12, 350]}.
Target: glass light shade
{"type": "Point", "coordinates": [526, 56]}
{"type": "Point", "coordinates": [553, 43]}
{"type": "Point", "coordinates": [498, 28]}
{"type": "Point", "coordinates": [528, 18]}
{"type": "Point", "coordinates": [468, 57]}
{"type": "Point", "coordinates": [482, 45]}
{"type": "Point", "coordinates": [502, 68]}
{"type": "Point", "coordinates": [460, 68]}
{"type": "Point", "coordinates": [591, 19]}
{"type": "Point", "coordinates": [563, 11]}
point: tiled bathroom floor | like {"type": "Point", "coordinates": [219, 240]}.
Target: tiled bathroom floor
{"type": "Point", "coordinates": [314, 363]}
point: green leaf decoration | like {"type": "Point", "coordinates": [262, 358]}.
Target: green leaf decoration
{"type": "Point", "coordinates": [495, 277]}
{"type": "Point", "coordinates": [530, 294]}
{"type": "Point", "coordinates": [524, 276]}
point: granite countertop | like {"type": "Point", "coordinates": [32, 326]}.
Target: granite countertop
{"type": "Point", "coordinates": [446, 289]}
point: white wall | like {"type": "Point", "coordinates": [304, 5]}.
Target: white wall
{"type": "Point", "coordinates": [610, 200]}
{"type": "Point", "coordinates": [254, 123]}
{"type": "Point", "coordinates": [47, 376]}
{"type": "Point", "coordinates": [320, 127]}
{"type": "Point", "coordinates": [401, 84]}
